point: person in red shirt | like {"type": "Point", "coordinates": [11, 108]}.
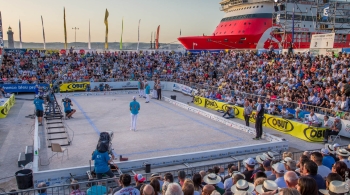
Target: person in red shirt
{"type": "Point", "coordinates": [218, 96]}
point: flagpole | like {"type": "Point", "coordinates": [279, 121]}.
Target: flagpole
{"type": "Point", "coordinates": [20, 35]}
{"type": "Point", "coordinates": [89, 45]}
{"type": "Point", "coordinates": [138, 36]}
{"type": "Point", "coordinates": [106, 23]}
{"type": "Point", "coordinates": [42, 23]}
{"type": "Point", "coordinates": [65, 28]}
{"type": "Point", "coordinates": [293, 27]}
{"type": "Point", "coordinates": [121, 37]}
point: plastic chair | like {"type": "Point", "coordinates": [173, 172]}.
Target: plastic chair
{"type": "Point", "coordinates": [58, 149]}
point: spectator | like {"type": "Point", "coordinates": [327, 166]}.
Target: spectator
{"type": "Point", "coordinates": [156, 186]}
{"type": "Point", "coordinates": [267, 167]}
{"type": "Point", "coordinates": [233, 180]}
{"type": "Point", "coordinates": [332, 152]}
{"type": "Point", "coordinates": [340, 168]}
{"type": "Point", "coordinates": [332, 177]}
{"type": "Point", "coordinates": [97, 189]}
{"type": "Point", "coordinates": [158, 177]}
{"type": "Point", "coordinates": [127, 189]}
{"type": "Point", "coordinates": [181, 176]}
{"type": "Point", "coordinates": [291, 166]}
{"type": "Point", "coordinates": [139, 179]}
{"type": "Point", "coordinates": [307, 186]}
{"type": "Point", "coordinates": [203, 173]}
{"type": "Point", "coordinates": [208, 189]}
{"type": "Point", "coordinates": [343, 155]}
{"type": "Point", "coordinates": [188, 188]}
{"type": "Point", "coordinates": [197, 183]}
{"type": "Point", "coordinates": [310, 170]}
{"type": "Point", "coordinates": [260, 160]}
{"type": "Point", "coordinates": [147, 190]}
{"type": "Point", "coordinates": [242, 185]}
{"type": "Point", "coordinates": [278, 169]}
{"type": "Point", "coordinates": [334, 130]}
{"type": "Point", "coordinates": [215, 180]}
{"type": "Point", "coordinates": [231, 168]}
{"type": "Point", "coordinates": [269, 156]}
{"type": "Point", "coordinates": [318, 159]}
{"type": "Point", "coordinates": [327, 160]}
{"type": "Point", "coordinates": [336, 188]}
{"type": "Point", "coordinates": [168, 179]}
{"type": "Point", "coordinates": [291, 179]}
{"type": "Point", "coordinates": [267, 186]}
{"type": "Point", "coordinates": [75, 188]}
{"type": "Point", "coordinates": [258, 175]}
{"type": "Point", "coordinates": [249, 165]}
{"type": "Point", "coordinates": [289, 191]}
{"type": "Point", "coordinates": [42, 188]}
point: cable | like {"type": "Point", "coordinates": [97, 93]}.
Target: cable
{"type": "Point", "coordinates": [65, 124]}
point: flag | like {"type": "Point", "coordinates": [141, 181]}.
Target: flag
{"type": "Point", "coordinates": [106, 23]}
{"type": "Point", "coordinates": [65, 29]}
{"type": "Point", "coordinates": [89, 44]}
{"type": "Point", "coordinates": [20, 35]}
{"type": "Point", "coordinates": [42, 23]}
{"type": "Point", "coordinates": [138, 36]}
{"type": "Point", "coordinates": [121, 37]}
{"type": "Point", "coordinates": [325, 12]}
{"type": "Point", "coordinates": [157, 39]}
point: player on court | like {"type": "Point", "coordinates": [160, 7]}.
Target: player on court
{"type": "Point", "coordinates": [140, 85]}
{"type": "Point", "coordinates": [134, 109]}
{"type": "Point", "coordinates": [147, 91]}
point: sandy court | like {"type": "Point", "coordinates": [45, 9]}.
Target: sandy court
{"type": "Point", "coordinates": [162, 129]}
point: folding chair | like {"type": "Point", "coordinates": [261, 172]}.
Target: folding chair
{"type": "Point", "coordinates": [58, 149]}
{"type": "Point", "coordinates": [335, 137]}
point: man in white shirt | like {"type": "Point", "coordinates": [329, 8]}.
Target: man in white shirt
{"type": "Point", "coordinates": [313, 119]}
{"type": "Point", "coordinates": [317, 158]}
{"type": "Point", "coordinates": [326, 122]}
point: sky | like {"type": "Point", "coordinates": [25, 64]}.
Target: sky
{"type": "Point", "coordinates": [193, 17]}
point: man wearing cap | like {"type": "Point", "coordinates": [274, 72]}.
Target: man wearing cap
{"type": "Point", "coordinates": [327, 160]}
{"type": "Point", "coordinates": [259, 119]}
{"type": "Point", "coordinates": [335, 129]}
{"type": "Point", "coordinates": [317, 158]}
{"type": "Point", "coordinates": [39, 109]}
{"type": "Point", "coordinates": [134, 109]}
{"type": "Point", "coordinates": [139, 179]}
{"type": "Point", "coordinates": [249, 165]}
{"type": "Point", "coordinates": [267, 168]}
{"type": "Point", "coordinates": [343, 155]}
{"type": "Point", "coordinates": [279, 169]}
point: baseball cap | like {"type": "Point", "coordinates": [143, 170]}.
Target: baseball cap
{"type": "Point", "coordinates": [36, 96]}
{"type": "Point", "coordinates": [279, 168]}
{"type": "Point", "coordinates": [336, 145]}
{"type": "Point", "coordinates": [267, 163]}
{"type": "Point", "coordinates": [139, 178]}
{"type": "Point", "coordinates": [337, 117]}
{"type": "Point", "coordinates": [292, 164]}
{"type": "Point", "coordinates": [324, 151]}
{"type": "Point", "coordinates": [285, 160]}
{"type": "Point", "coordinates": [133, 97]}
{"type": "Point", "coordinates": [249, 161]}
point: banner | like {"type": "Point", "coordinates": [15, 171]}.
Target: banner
{"type": "Point", "coordinates": [89, 44]}
{"type": "Point", "coordinates": [182, 88]}
{"type": "Point", "coordinates": [17, 88]}
{"type": "Point", "coordinates": [6, 106]}
{"type": "Point", "coordinates": [322, 41]}
{"type": "Point", "coordinates": [20, 34]}
{"type": "Point", "coordinates": [42, 23]}
{"type": "Point", "coordinates": [325, 12]}
{"type": "Point", "coordinates": [345, 125]}
{"type": "Point", "coordinates": [106, 23]}
{"type": "Point", "coordinates": [78, 86]}
{"type": "Point", "coordinates": [65, 28]}
{"type": "Point", "coordinates": [157, 39]}
{"type": "Point", "coordinates": [294, 128]}
{"type": "Point", "coordinates": [121, 36]}
{"type": "Point", "coordinates": [138, 35]}
{"type": "Point", "coordinates": [1, 41]}
{"type": "Point", "coordinates": [21, 51]}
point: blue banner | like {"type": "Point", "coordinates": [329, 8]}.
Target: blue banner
{"type": "Point", "coordinates": [14, 88]}
{"type": "Point", "coordinates": [15, 50]}
{"type": "Point", "coordinates": [325, 12]}
{"type": "Point", "coordinates": [346, 50]}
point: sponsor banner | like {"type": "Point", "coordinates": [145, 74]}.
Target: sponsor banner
{"type": "Point", "coordinates": [328, 52]}
{"type": "Point", "coordinates": [22, 51]}
{"type": "Point", "coordinates": [296, 129]}
{"type": "Point", "coordinates": [97, 93]}
{"type": "Point", "coordinates": [17, 88]}
{"type": "Point", "coordinates": [346, 50]}
{"type": "Point", "coordinates": [6, 106]}
{"type": "Point", "coordinates": [182, 88]}
{"type": "Point", "coordinates": [199, 101]}
{"type": "Point", "coordinates": [322, 41]}
{"type": "Point", "coordinates": [77, 86]}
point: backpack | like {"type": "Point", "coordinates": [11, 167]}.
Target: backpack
{"type": "Point", "coordinates": [104, 142]}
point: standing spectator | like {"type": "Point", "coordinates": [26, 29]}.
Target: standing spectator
{"type": "Point", "coordinates": [327, 160]}
{"type": "Point", "coordinates": [208, 189]}
{"type": "Point", "coordinates": [247, 112]}
{"type": "Point", "coordinates": [127, 189]}
{"type": "Point", "coordinates": [230, 170]}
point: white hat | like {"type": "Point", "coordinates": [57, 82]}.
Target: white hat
{"type": "Point", "coordinates": [249, 161]}
{"type": "Point", "coordinates": [330, 148]}
{"type": "Point", "coordinates": [36, 96]}
{"type": "Point", "coordinates": [279, 167]}
{"type": "Point", "coordinates": [343, 152]}
{"type": "Point", "coordinates": [234, 173]}
{"type": "Point", "coordinates": [337, 117]}
{"type": "Point", "coordinates": [242, 185]}
{"type": "Point", "coordinates": [134, 98]}
{"type": "Point", "coordinates": [336, 145]}
{"type": "Point", "coordinates": [285, 160]}
{"type": "Point", "coordinates": [324, 151]}
{"type": "Point", "coordinates": [211, 178]}
{"type": "Point", "coordinates": [260, 159]}
{"type": "Point", "coordinates": [269, 155]}
{"type": "Point", "coordinates": [268, 185]}
{"type": "Point", "coordinates": [336, 187]}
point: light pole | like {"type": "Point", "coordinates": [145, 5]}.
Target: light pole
{"type": "Point", "coordinates": [75, 37]}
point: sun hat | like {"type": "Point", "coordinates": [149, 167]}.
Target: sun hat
{"type": "Point", "coordinates": [330, 148]}
{"type": "Point", "coordinates": [324, 151]}
{"type": "Point", "coordinates": [343, 152]}
{"type": "Point", "coordinates": [269, 155]}
{"type": "Point", "coordinates": [260, 159]}
{"type": "Point", "coordinates": [155, 175]}
{"type": "Point", "coordinates": [139, 178]}
{"type": "Point", "coordinates": [335, 187]}
{"type": "Point", "coordinates": [211, 178]}
{"type": "Point", "coordinates": [267, 186]}
{"type": "Point", "coordinates": [279, 167]}
{"type": "Point", "coordinates": [249, 161]}
{"type": "Point", "coordinates": [234, 173]}
{"type": "Point", "coordinates": [285, 160]}
{"type": "Point", "coordinates": [242, 185]}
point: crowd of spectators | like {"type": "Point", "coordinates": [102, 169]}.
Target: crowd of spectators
{"type": "Point", "coordinates": [318, 172]}
{"type": "Point", "coordinates": [294, 80]}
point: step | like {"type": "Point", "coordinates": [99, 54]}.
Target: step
{"type": "Point", "coordinates": [29, 153]}
{"type": "Point", "coordinates": [21, 160]}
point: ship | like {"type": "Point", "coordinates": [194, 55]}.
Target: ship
{"type": "Point", "coordinates": [277, 24]}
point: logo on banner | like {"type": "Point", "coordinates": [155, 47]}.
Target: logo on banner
{"type": "Point", "coordinates": [278, 18]}
{"type": "Point", "coordinates": [347, 128]}
{"type": "Point", "coordinates": [280, 124]}
{"type": "Point", "coordinates": [77, 86]}
{"type": "Point", "coordinates": [211, 104]}
{"type": "Point", "coordinates": [325, 12]}
{"type": "Point", "coordinates": [197, 100]}
{"type": "Point", "coordinates": [224, 107]}
{"type": "Point", "coordinates": [5, 109]}
{"type": "Point", "coordinates": [314, 134]}
{"type": "Point", "coordinates": [253, 119]}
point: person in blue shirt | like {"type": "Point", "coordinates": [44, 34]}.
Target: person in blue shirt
{"type": "Point", "coordinates": [51, 102]}
{"type": "Point", "coordinates": [39, 109]}
{"type": "Point", "coordinates": [101, 163]}
{"type": "Point", "coordinates": [36, 90]}
{"type": "Point", "coordinates": [134, 109]}
{"type": "Point", "coordinates": [67, 108]}
{"type": "Point", "coordinates": [147, 91]}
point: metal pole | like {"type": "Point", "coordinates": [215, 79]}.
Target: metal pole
{"type": "Point", "coordinates": [75, 36]}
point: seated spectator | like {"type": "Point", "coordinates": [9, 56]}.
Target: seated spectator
{"type": "Point", "coordinates": [307, 186]}
{"type": "Point", "coordinates": [197, 183]}
{"type": "Point", "coordinates": [42, 188]}
{"type": "Point", "coordinates": [336, 188]}
{"type": "Point", "coordinates": [289, 191]}
{"type": "Point", "coordinates": [231, 168]}
{"type": "Point", "coordinates": [334, 130]}
{"type": "Point", "coordinates": [267, 168]}
{"type": "Point", "coordinates": [343, 155]}
{"type": "Point", "coordinates": [97, 189]}
{"type": "Point", "coordinates": [139, 179]}
{"type": "Point", "coordinates": [215, 180]}
{"type": "Point", "coordinates": [207, 190]}
{"type": "Point", "coordinates": [230, 112]}
{"type": "Point", "coordinates": [318, 158]}
{"type": "Point", "coordinates": [147, 190]}
{"type": "Point", "coordinates": [127, 189]}
{"type": "Point", "coordinates": [332, 177]}
{"type": "Point", "coordinates": [340, 168]}
{"type": "Point", "coordinates": [278, 169]}
{"type": "Point", "coordinates": [291, 179]}
{"type": "Point", "coordinates": [242, 185]}
{"type": "Point", "coordinates": [75, 188]}
{"type": "Point", "coordinates": [181, 175]}
{"type": "Point", "coordinates": [313, 120]}
{"type": "Point", "coordinates": [248, 173]}
{"type": "Point", "coordinates": [310, 170]}
{"type": "Point", "coordinates": [188, 188]}
{"type": "Point", "coordinates": [267, 186]}
{"type": "Point", "coordinates": [327, 160]}
{"type": "Point", "coordinates": [156, 186]}
{"type": "Point", "coordinates": [233, 180]}
{"type": "Point", "coordinates": [260, 160]}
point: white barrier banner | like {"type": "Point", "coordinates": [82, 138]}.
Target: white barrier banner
{"type": "Point", "coordinates": [345, 125]}
{"type": "Point", "coordinates": [182, 88]}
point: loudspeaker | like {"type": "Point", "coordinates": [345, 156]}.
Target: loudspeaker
{"type": "Point", "coordinates": [148, 168]}
{"type": "Point", "coordinates": [282, 7]}
{"type": "Point", "coordinates": [276, 8]}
